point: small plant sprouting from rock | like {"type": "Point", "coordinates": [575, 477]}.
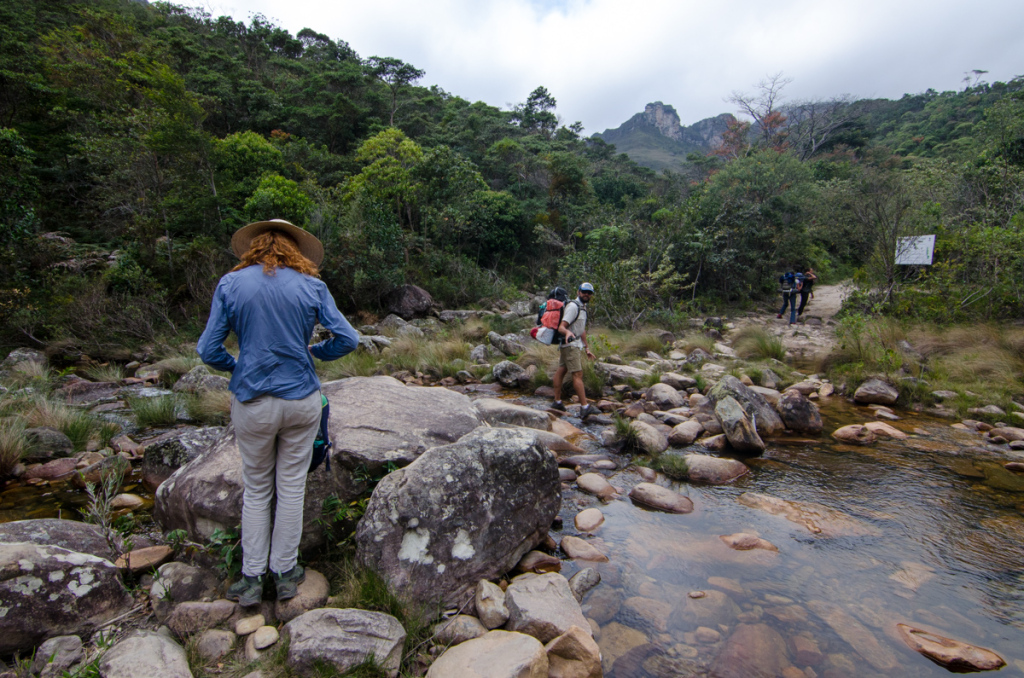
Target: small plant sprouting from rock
{"type": "Point", "coordinates": [226, 545]}
{"type": "Point", "coordinates": [99, 509]}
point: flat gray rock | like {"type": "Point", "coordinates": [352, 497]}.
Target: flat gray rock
{"type": "Point", "coordinates": [495, 411]}
{"type": "Point", "coordinates": [498, 654]}
{"type": "Point", "coordinates": [69, 534]}
{"type": "Point", "coordinates": [343, 639]}
{"type": "Point", "coordinates": [542, 606]}
{"type": "Point", "coordinates": [145, 653]}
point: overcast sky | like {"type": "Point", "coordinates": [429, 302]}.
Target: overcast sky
{"type": "Point", "coordinates": [603, 60]}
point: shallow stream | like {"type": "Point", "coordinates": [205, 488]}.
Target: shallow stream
{"type": "Point", "coordinates": [930, 533]}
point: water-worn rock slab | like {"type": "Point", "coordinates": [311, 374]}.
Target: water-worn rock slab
{"type": "Point", "coordinates": [751, 650]}
{"type": "Point", "coordinates": [876, 391]}
{"type": "Point", "coordinates": [145, 653]}
{"type": "Point", "coordinates": [498, 654]}
{"type": "Point", "coordinates": [954, 655]}
{"type": "Point", "coordinates": [542, 606]}
{"type": "Point", "coordinates": [744, 541]}
{"type": "Point", "coordinates": [574, 654]}
{"type": "Point", "coordinates": [69, 534]}
{"type": "Point", "coordinates": [660, 498]}
{"type": "Point", "coordinates": [588, 520]}
{"type": "Point", "coordinates": [1010, 433]}
{"type": "Point", "coordinates": [619, 374]}
{"type": "Point", "coordinates": [163, 457]}
{"type": "Point", "coordinates": [490, 604]}
{"type": "Point", "coordinates": [766, 420]}
{"type": "Point", "coordinates": [883, 430]}
{"type": "Point", "coordinates": [343, 638]}
{"type": "Point", "coordinates": [49, 591]}
{"type": "Point", "coordinates": [856, 434]}
{"type": "Point", "coordinates": [580, 549]}
{"type": "Point", "coordinates": [876, 653]}
{"type": "Point", "coordinates": [495, 411]}
{"type": "Point", "coordinates": [595, 484]}
{"type": "Point", "coordinates": [738, 429]}
{"type": "Point", "coordinates": [817, 519]}
{"type": "Point", "coordinates": [651, 439]}
{"type": "Point", "coordinates": [703, 468]}
{"type": "Point", "coordinates": [462, 513]}
{"type": "Point", "coordinates": [685, 433]}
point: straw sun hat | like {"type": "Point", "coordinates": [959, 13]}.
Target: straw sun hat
{"type": "Point", "coordinates": [309, 246]}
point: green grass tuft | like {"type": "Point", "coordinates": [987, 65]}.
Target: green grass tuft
{"type": "Point", "coordinates": [13, 445]}
{"type": "Point", "coordinates": [160, 411]}
{"type": "Point", "coordinates": [756, 342]}
{"type": "Point", "coordinates": [672, 465]}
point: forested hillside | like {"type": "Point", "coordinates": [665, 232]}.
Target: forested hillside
{"type": "Point", "coordinates": [134, 139]}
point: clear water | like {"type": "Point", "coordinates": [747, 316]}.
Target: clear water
{"type": "Point", "coordinates": [938, 542]}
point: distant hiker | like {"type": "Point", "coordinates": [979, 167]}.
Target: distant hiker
{"type": "Point", "coordinates": [790, 285]}
{"type": "Point", "coordinates": [573, 329]}
{"type": "Point", "coordinates": [271, 301]}
{"type": "Point", "coordinates": [807, 290]}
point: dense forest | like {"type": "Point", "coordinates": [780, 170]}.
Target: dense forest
{"type": "Point", "coordinates": [134, 140]}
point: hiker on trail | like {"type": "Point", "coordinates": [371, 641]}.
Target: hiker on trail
{"type": "Point", "coordinates": [271, 301]}
{"type": "Point", "coordinates": [790, 283]}
{"type": "Point", "coordinates": [573, 329]}
{"type": "Point", "coordinates": [807, 289]}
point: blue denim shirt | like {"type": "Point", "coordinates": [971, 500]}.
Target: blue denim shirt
{"type": "Point", "coordinates": [273, 317]}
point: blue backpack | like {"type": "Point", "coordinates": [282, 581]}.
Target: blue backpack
{"type": "Point", "coordinates": [322, 443]}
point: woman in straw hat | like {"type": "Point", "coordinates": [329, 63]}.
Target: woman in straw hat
{"type": "Point", "coordinates": [272, 300]}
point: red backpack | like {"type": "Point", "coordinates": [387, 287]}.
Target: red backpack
{"type": "Point", "coordinates": [550, 317]}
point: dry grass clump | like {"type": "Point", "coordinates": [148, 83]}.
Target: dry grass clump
{"type": "Point", "coordinates": [643, 343]}
{"type": "Point", "coordinates": [28, 374]}
{"type": "Point", "coordinates": [692, 340]}
{"type": "Point", "coordinates": [13, 445]}
{"type": "Point", "coordinates": [542, 355]}
{"type": "Point", "coordinates": [356, 364]}
{"type": "Point", "coordinates": [979, 354]}
{"type": "Point", "coordinates": [106, 372]}
{"type": "Point", "coordinates": [71, 421]}
{"type": "Point", "coordinates": [756, 342]}
{"type": "Point", "coordinates": [209, 407]}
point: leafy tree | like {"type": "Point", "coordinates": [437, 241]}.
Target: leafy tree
{"type": "Point", "coordinates": [396, 76]}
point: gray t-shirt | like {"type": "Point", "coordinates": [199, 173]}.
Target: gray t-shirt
{"type": "Point", "coordinates": [575, 317]}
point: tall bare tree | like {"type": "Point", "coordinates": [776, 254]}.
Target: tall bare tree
{"type": "Point", "coordinates": [764, 107]}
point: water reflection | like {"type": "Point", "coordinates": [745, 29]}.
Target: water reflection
{"type": "Point", "coordinates": [926, 531]}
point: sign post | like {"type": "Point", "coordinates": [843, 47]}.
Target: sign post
{"type": "Point", "coordinates": [916, 250]}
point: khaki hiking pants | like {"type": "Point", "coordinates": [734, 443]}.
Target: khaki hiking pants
{"type": "Point", "coordinates": [275, 438]}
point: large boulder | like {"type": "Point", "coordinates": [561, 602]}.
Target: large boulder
{"type": "Point", "coordinates": [955, 655]}
{"type": "Point", "coordinates": [542, 606]}
{"type": "Point", "coordinates": [799, 413]}
{"type": "Point", "coordinates": [461, 513]}
{"type": "Point", "coordinates": [409, 301]}
{"type": "Point", "coordinates": [620, 374]}
{"type": "Point", "coordinates": [508, 373]}
{"type": "Point", "coordinates": [739, 430]}
{"type": "Point", "coordinates": [509, 344]}
{"type": "Point", "coordinates": [165, 456]}
{"type": "Point", "coordinates": [145, 653]}
{"type": "Point", "coordinates": [343, 639]}
{"type": "Point", "coordinates": [200, 380]}
{"type": "Point", "coordinates": [495, 411]}
{"type": "Point", "coordinates": [377, 420]}
{"type": "Point", "coordinates": [766, 420]}
{"type": "Point", "coordinates": [652, 440]}
{"type": "Point", "coordinates": [498, 654]}
{"type": "Point", "coordinates": [49, 591]}
{"type": "Point", "coordinates": [20, 358]}
{"type": "Point", "coordinates": [45, 443]}
{"type": "Point", "coordinates": [875, 391]}
{"type": "Point", "coordinates": [68, 534]}
{"type": "Point", "coordinates": [374, 421]}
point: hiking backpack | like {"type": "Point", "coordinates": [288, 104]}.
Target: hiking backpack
{"type": "Point", "coordinates": [549, 316]}
{"type": "Point", "coordinates": [322, 443]}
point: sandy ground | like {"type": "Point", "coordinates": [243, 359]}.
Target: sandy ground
{"type": "Point", "coordinates": [813, 336]}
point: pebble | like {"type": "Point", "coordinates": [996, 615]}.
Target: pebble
{"type": "Point", "coordinates": [247, 625]}
{"type": "Point", "coordinates": [696, 594]}
{"type": "Point", "coordinates": [264, 637]}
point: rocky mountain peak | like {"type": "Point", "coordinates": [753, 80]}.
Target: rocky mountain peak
{"type": "Point", "coordinates": [665, 119]}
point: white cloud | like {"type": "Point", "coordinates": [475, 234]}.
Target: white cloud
{"type": "Point", "coordinates": [605, 59]}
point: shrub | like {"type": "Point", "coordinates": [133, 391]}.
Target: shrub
{"type": "Point", "coordinates": [159, 411]}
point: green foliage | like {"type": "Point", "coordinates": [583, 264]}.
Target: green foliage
{"type": "Point", "coordinates": [278, 198]}
{"type": "Point", "coordinates": [756, 342]}
{"type": "Point", "coordinates": [672, 465]}
{"type": "Point", "coordinates": [627, 436]}
{"type": "Point", "coordinates": [226, 547]}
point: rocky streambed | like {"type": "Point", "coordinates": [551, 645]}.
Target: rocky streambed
{"type": "Point", "coordinates": [803, 532]}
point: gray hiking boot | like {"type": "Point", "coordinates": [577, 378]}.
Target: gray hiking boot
{"type": "Point", "coordinates": [288, 583]}
{"type": "Point", "coordinates": [587, 411]}
{"type": "Point", "coordinates": [247, 591]}
{"type": "Point", "coordinates": [557, 405]}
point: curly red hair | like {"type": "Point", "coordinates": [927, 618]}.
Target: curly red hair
{"type": "Point", "coordinates": [274, 250]}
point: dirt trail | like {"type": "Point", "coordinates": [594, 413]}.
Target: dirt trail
{"type": "Point", "coordinates": [813, 336]}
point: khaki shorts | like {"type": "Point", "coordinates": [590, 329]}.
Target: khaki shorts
{"type": "Point", "coordinates": [571, 358]}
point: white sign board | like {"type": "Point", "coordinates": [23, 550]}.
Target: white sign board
{"type": "Point", "coordinates": [915, 251]}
